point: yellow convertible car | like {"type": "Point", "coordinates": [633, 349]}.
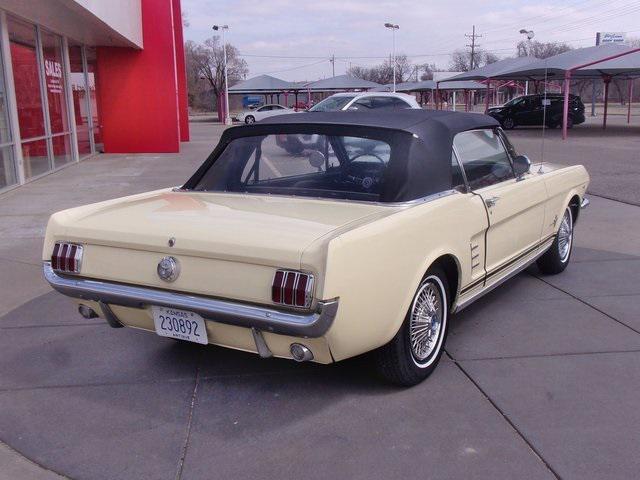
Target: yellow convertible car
{"type": "Point", "coordinates": [322, 236]}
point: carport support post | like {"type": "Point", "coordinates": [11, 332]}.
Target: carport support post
{"type": "Point", "coordinates": [565, 107]}
{"type": "Point", "coordinates": [606, 101]}
{"type": "Point", "coordinates": [437, 95]}
{"type": "Point", "coordinates": [630, 99]}
{"type": "Point", "coordinates": [486, 100]}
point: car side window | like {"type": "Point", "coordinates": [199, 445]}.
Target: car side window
{"type": "Point", "coordinates": [383, 102]}
{"type": "Point", "coordinates": [457, 179]}
{"type": "Point", "coordinates": [484, 158]}
{"type": "Point", "coordinates": [397, 103]}
{"type": "Point", "coordinates": [362, 104]}
{"type": "Point", "coordinates": [508, 145]}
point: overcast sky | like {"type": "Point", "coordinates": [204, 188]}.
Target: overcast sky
{"type": "Point", "coordinates": [429, 29]}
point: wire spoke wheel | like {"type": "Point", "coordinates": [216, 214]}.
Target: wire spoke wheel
{"type": "Point", "coordinates": [425, 324]}
{"type": "Point", "coordinates": [565, 236]}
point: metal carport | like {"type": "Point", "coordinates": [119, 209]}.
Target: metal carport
{"type": "Point", "coordinates": [579, 63]}
{"type": "Point", "coordinates": [262, 85]}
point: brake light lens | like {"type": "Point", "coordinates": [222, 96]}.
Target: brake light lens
{"type": "Point", "coordinates": [294, 289]}
{"type": "Point", "coordinates": [66, 257]}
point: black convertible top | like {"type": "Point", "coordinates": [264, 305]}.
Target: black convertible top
{"type": "Point", "coordinates": [425, 145]}
{"type": "Point", "coordinates": [427, 124]}
{"type": "Point", "coordinates": [424, 123]}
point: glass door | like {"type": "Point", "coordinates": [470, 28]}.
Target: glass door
{"type": "Point", "coordinates": [56, 99]}
{"type": "Point", "coordinates": [26, 76]}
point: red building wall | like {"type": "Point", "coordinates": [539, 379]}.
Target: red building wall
{"type": "Point", "coordinates": [141, 91]}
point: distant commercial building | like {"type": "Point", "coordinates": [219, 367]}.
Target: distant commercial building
{"type": "Point", "coordinates": [83, 76]}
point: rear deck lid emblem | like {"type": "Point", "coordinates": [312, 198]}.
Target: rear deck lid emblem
{"type": "Point", "coordinates": [168, 269]}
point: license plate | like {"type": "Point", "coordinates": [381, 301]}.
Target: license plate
{"type": "Point", "coordinates": [180, 324]}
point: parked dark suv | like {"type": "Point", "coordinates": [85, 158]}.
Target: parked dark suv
{"type": "Point", "coordinates": [528, 110]}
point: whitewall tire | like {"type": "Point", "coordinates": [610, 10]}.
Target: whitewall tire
{"type": "Point", "coordinates": [413, 354]}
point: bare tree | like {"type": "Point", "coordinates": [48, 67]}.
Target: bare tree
{"type": "Point", "coordinates": [383, 73]}
{"type": "Point", "coordinates": [206, 62]}
{"type": "Point", "coordinates": [428, 69]}
{"type": "Point", "coordinates": [633, 42]}
{"type": "Point", "coordinates": [489, 57]}
{"type": "Point", "coordinates": [404, 68]}
{"type": "Point", "coordinates": [461, 59]}
{"type": "Point", "coordinates": [541, 49]}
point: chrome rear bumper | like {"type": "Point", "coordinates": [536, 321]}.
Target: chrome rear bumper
{"type": "Point", "coordinates": [308, 324]}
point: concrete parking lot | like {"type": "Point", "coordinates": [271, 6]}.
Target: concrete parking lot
{"type": "Point", "coordinates": [541, 377]}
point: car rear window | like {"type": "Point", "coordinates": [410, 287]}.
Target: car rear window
{"type": "Point", "coordinates": [302, 164]}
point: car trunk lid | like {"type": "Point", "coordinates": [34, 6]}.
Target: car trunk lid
{"type": "Point", "coordinates": [259, 229]}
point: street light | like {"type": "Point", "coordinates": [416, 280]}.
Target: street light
{"type": "Point", "coordinates": [227, 118]}
{"type": "Point", "coordinates": [393, 28]}
{"type": "Point", "coordinates": [530, 35]}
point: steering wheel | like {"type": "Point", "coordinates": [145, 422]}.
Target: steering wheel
{"type": "Point", "coordinates": [365, 174]}
{"type": "Point", "coordinates": [367, 154]}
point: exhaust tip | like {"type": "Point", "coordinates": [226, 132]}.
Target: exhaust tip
{"type": "Point", "coordinates": [300, 353]}
{"type": "Point", "coordinates": [87, 312]}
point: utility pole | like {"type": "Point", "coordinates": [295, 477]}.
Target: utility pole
{"type": "Point", "coordinates": [473, 46]}
{"type": "Point", "coordinates": [333, 64]}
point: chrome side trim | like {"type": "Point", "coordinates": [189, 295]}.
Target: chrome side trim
{"type": "Point", "coordinates": [298, 324]}
{"type": "Point", "coordinates": [403, 203]}
{"type": "Point", "coordinates": [543, 249]}
{"type": "Point", "coordinates": [585, 203]}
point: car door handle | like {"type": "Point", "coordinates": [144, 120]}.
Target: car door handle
{"type": "Point", "coordinates": [491, 201]}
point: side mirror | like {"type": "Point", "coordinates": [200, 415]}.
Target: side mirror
{"type": "Point", "coordinates": [317, 159]}
{"type": "Point", "coordinates": [521, 165]}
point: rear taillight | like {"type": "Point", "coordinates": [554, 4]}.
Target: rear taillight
{"type": "Point", "coordinates": [294, 289]}
{"type": "Point", "coordinates": [66, 257]}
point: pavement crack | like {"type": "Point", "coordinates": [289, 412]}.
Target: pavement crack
{"type": "Point", "coordinates": [584, 302]}
{"type": "Point", "coordinates": [548, 355]}
{"type": "Point", "coordinates": [89, 385]}
{"type": "Point", "coordinates": [626, 202]}
{"type": "Point", "coordinates": [535, 451]}
{"type": "Point", "coordinates": [187, 437]}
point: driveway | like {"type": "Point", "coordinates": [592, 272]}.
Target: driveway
{"type": "Point", "coordinates": [541, 378]}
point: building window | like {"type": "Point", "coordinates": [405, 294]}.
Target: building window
{"type": "Point", "coordinates": [41, 97]}
{"type": "Point", "coordinates": [26, 77]}
{"type": "Point", "coordinates": [8, 173]}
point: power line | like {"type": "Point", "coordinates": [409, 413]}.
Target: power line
{"type": "Point", "coordinates": [609, 13]}
{"type": "Point", "coordinates": [532, 21]}
{"type": "Point", "coordinates": [347, 59]}
{"type": "Point", "coordinates": [292, 68]}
